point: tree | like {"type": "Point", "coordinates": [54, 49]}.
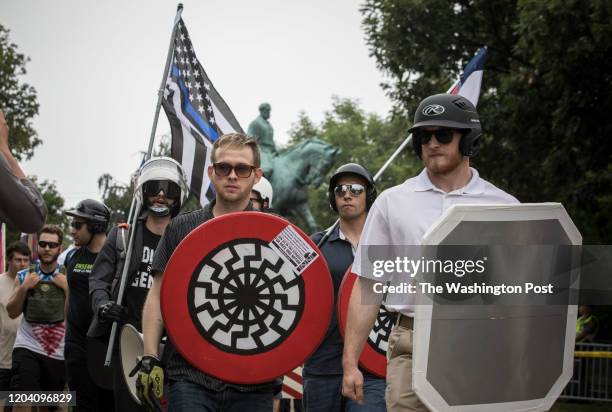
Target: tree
{"type": "Point", "coordinates": [364, 138]}
{"type": "Point", "coordinates": [17, 99]}
{"type": "Point", "coordinates": [545, 99]}
{"type": "Point", "coordinates": [302, 129]}
{"type": "Point", "coordinates": [116, 196]}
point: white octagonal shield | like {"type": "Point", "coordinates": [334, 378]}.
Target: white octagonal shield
{"type": "Point", "coordinates": [492, 357]}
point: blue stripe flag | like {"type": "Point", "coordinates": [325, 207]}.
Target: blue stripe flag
{"type": "Point", "coordinates": [196, 112]}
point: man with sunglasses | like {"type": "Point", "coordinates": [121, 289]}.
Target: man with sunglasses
{"type": "Point", "coordinates": [161, 189]}
{"type": "Point", "coordinates": [38, 354]}
{"type": "Point", "coordinates": [351, 193]}
{"type": "Point", "coordinates": [446, 134]}
{"type": "Point", "coordinates": [235, 169]}
{"type": "Point", "coordinates": [90, 220]}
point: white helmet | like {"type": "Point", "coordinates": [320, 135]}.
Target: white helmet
{"type": "Point", "coordinates": [264, 188]}
{"type": "Point", "coordinates": [162, 168]}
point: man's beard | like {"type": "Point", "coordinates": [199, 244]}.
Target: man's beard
{"type": "Point", "coordinates": [49, 259]}
{"type": "Point", "coordinates": [451, 164]}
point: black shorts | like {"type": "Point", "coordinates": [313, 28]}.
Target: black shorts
{"type": "Point", "coordinates": [35, 372]}
{"type": "Point", "coordinates": [5, 380]}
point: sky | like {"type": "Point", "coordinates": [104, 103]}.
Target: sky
{"type": "Point", "coordinates": [97, 67]}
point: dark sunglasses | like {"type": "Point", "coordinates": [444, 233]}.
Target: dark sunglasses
{"type": "Point", "coordinates": [77, 225]}
{"type": "Point", "coordinates": [443, 136]}
{"type": "Point", "coordinates": [153, 187]}
{"type": "Point", "coordinates": [355, 189]}
{"type": "Point", "coordinates": [241, 169]}
{"type": "Point", "coordinates": [51, 245]}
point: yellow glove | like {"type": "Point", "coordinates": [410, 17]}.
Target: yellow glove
{"type": "Point", "coordinates": [150, 382]}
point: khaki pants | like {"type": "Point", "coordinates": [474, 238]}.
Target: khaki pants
{"type": "Point", "coordinates": [399, 395]}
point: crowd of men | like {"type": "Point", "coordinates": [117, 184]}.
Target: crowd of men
{"type": "Point", "coordinates": [56, 321]}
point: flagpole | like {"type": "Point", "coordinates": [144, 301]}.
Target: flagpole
{"type": "Point", "coordinates": [399, 149]}
{"type": "Point", "coordinates": [135, 206]}
{"type": "Point", "coordinates": [122, 286]}
{"type": "Point", "coordinates": [160, 92]}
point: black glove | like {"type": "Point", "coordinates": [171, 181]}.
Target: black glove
{"type": "Point", "coordinates": [111, 311]}
{"type": "Point", "coordinates": [150, 382]}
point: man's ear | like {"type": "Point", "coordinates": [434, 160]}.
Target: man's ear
{"type": "Point", "coordinates": [258, 174]}
{"type": "Point", "coordinates": [210, 171]}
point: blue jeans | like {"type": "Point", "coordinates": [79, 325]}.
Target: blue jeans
{"type": "Point", "coordinates": [188, 396]}
{"type": "Point", "coordinates": [323, 393]}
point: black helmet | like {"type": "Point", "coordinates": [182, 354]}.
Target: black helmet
{"type": "Point", "coordinates": [453, 112]}
{"type": "Point", "coordinates": [96, 214]}
{"type": "Point", "coordinates": [353, 169]}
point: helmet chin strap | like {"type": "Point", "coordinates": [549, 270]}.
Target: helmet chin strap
{"type": "Point", "coordinates": [159, 211]}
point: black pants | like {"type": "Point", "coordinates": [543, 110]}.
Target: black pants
{"type": "Point", "coordinates": [89, 396]}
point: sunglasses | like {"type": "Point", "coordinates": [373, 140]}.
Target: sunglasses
{"type": "Point", "coordinates": [241, 169]}
{"type": "Point", "coordinates": [443, 136]}
{"type": "Point", "coordinates": [51, 245]}
{"type": "Point", "coordinates": [77, 225]}
{"type": "Point", "coordinates": [153, 187]}
{"type": "Point", "coordinates": [355, 189]}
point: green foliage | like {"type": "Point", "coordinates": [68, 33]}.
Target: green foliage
{"type": "Point", "coordinates": [364, 138]}
{"type": "Point", "coordinates": [546, 89]}
{"type": "Point", "coordinates": [17, 100]}
{"type": "Point", "coordinates": [302, 129]}
{"type": "Point", "coordinates": [117, 196]}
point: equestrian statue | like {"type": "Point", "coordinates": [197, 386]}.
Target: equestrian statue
{"type": "Point", "coordinates": [291, 171]}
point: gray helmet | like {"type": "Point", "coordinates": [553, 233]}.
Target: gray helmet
{"type": "Point", "coordinates": [352, 169]}
{"type": "Point", "coordinates": [95, 213]}
{"type": "Point", "coordinates": [453, 112]}
{"type": "Point", "coordinates": [162, 168]}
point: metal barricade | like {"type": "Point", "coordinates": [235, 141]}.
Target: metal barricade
{"type": "Point", "coordinates": [592, 379]}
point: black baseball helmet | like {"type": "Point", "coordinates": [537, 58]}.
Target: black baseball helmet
{"type": "Point", "coordinates": [352, 169]}
{"type": "Point", "coordinates": [95, 213]}
{"type": "Point", "coordinates": [453, 112]}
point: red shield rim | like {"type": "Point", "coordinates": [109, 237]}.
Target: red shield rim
{"type": "Point", "coordinates": [370, 359]}
{"type": "Point", "coordinates": [239, 368]}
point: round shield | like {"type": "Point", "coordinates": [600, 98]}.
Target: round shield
{"type": "Point", "coordinates": [246, 297]}
{"type": "Point", "coordinates": [374, 355]}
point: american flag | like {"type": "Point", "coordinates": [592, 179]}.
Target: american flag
{"type": "Point", "coordinates": [196, 112]}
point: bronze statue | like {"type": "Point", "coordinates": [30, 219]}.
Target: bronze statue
{"type": "Point", "coordinates": [261, 130]}
{"type": "Point", "coordinates": [291, 170]}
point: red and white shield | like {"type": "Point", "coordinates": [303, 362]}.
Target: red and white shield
{"type": "Point", "coordinates": [374, 355]}
{"type": "Point", "coordinates": [246, 297]}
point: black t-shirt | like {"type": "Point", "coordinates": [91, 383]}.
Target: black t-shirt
{"type": "Point", "coordinates": [141, 281]}
{"type": "Point", "coordinates": [79, 315]}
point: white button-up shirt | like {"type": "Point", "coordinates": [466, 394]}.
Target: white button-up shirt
{"type": "Point", "coordinates": [402, 214]}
